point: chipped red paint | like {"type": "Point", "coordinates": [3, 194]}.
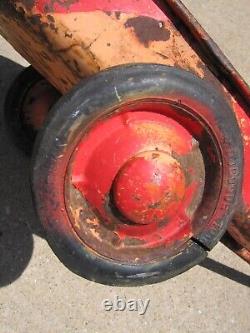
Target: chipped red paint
{"type": "Point", "coordinates": [112, 143]}
{"type": "Point", "coordinates": [142, 7]}
{"type": "Point", "coordinates": [154, 202]}
{"type": "Point", "coordinates": [225, 77]}
{"type": "Point", "coordinates": [149, 188]}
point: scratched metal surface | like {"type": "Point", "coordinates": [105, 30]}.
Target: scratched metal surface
{"type": "Point", "coordinates": [39, 295]}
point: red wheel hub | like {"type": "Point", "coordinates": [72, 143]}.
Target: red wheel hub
{"type": "Point", "coordinates": [149, 188]}
{"type": "Point", "coordinates": [134, 183]}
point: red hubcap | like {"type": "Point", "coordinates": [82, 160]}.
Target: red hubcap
{"type": "Point", "coordinates": [134, 184]}
{"type": "Point", "coordinates": [149, 187]}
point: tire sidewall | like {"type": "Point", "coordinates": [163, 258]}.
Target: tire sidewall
{"type": "Point", "coordinates": [64, 128]}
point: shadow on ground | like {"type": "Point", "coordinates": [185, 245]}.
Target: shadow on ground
{"type": "Point", "coordinates": [18, 221]}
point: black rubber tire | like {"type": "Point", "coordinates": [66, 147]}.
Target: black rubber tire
{"type": "Point", "coordinates": [22, 135]}
{"type": "Point", "coordinates": [66, 125]}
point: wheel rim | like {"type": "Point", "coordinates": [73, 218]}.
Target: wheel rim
{"type": "Point", "coordinates": [111, 210]}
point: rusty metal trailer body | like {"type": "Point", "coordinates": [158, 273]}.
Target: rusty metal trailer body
{"type": "Point", "coordinates": [183, 130]}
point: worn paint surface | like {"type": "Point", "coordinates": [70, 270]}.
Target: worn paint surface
{"type": "Point", "coordinates": [73, 39]}
{"type": "Point", "coordinates": [71, 44]}
{"type": "Point", "coordinates": [137, 216]}
{"type": "Point", "coordinates": [149, 188]}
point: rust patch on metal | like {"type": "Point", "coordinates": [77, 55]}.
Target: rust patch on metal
{"type": "Point", "coordinates": [93, 38]}
{"type": "Point", "coordinates": [148, 29]}
{"type": "Point", "coordinates": [49, 7]}
{"type": "Point", "coordinates": [29, 4]}
{"type": "Point", "coordinates": [216, 62]}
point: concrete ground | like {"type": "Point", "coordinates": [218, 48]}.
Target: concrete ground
{"type": "Point", "coordinates": [38, 294]}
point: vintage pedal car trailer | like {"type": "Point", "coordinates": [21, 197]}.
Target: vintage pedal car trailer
{"type": "Point", "coordinates": [144, 162]}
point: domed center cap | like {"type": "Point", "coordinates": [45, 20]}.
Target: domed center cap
{"type": "Point", "coordinates": [149, 188]}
